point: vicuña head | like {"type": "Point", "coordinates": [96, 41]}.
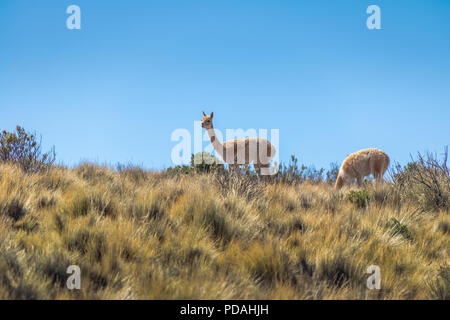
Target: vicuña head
{"type": "Point", "coordinates": [361, 164]}
{"type": "Point", "coordinates": [244, 151]}
{"type": "Point", "coordinates": [207, 120]}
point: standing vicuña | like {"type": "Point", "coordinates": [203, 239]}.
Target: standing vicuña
{"type": "Point", "coordinates": [235, 152]}
{"type": "Point", "coordinates": [362, 163]}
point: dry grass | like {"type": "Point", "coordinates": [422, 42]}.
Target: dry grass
{"type": "Point", "coordinates": [148, 235]}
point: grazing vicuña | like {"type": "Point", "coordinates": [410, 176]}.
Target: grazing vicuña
{"type": "Point", "coordinates": [361, 164]}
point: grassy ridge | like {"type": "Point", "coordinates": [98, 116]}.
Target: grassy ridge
{"type": "Point", "coordinates": [150, 235]}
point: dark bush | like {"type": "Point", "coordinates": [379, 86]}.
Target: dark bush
{"type": "Point", "coordinates": [14, 209]}
{"type": "Point", "coordinates": [294, 173]}
{"type": "Point", "coordinates": [134, 172]}
{"type": "Point", "coordinates": [332, 174]}
{"type": "Point", "coordinates": [440, 286]}
{"type": "Point", "coordinates": [24, 149]}
{"type": "Point", "coordinates": [425, 181]}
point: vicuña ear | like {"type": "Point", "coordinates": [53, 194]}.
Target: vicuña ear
{"type": "Point", "coordinates": [204, 113]}
{"type": "Point", "coordinates": [212, 114]}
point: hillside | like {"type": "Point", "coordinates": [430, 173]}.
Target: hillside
{"type": "Point", "coordinates": [137, 234]}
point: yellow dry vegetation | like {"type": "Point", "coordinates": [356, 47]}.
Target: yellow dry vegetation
{"type": "Point", "coordinates": [137, 234]}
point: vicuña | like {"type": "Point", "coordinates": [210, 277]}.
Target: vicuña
{"type": "Point", "coordinates": [361, 164]}
{"type": "Point", "coordinates": [244, 151]}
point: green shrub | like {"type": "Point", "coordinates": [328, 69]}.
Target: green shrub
{"type": "Point", "coordinates": [173, 171]}
{"type": "Point", "coordinates": [201, 162]}
{"type": "Point", "coordinates": [396, 227]}
{"type": "Point", "coordinates": [205, 162]}
{"type": "Point", "coordinates": [358, 198]}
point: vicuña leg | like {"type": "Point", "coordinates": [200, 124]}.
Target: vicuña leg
{"type": "Point", "coordinates": [359, 181]}
{"type": "Point", "coordinates": [260, 168]}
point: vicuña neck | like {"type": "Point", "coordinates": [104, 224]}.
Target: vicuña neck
{"type": "Point", "coordinates": [218, 146]}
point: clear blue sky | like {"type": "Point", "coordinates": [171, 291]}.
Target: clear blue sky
{"type": "Point", "coordinates": [115, 90]}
